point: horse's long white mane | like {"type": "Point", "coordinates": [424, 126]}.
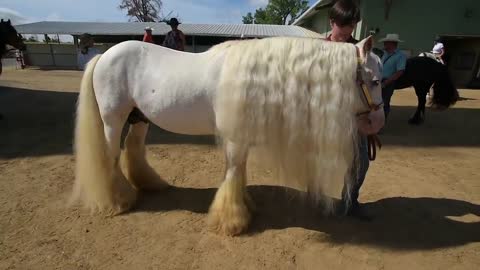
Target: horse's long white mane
{"type": "Point", "coordinates": [297, 98]}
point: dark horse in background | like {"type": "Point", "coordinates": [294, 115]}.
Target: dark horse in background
{"type": "Point", "coordinates": [421, 73]}
{"type": "Point", "coordinates": [9, 36]}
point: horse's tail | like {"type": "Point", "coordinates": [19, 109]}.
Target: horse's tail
{"type": "Point", "coordinates": [445, 94]}
{"type": "Point", "coordinates": [90, 146]}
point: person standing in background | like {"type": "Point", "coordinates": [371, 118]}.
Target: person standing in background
{"type": "Point", "coordinates": [175, 39]}
{"type": "Point", "coordinates": [86, 50]}
{"type": "Point", "coordinates": [147, 37]}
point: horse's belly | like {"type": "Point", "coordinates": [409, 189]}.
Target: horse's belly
{"type": "Point", "coordinates": [191, 118]}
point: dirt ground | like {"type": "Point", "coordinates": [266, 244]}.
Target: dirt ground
{"type": "Point", "coordinates": [423, 191]}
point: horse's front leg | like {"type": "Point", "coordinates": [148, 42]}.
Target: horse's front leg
{"type": "Point", "coordinates": [419, 116]}
{"type": "Point", "coordinates": [229, 212]}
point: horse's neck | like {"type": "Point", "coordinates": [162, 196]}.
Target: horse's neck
{"type": "Point", "coordinates": [3, 42]}
{"type": "Point", "coordinates": [3, 48]}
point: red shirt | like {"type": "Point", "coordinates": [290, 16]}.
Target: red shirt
{"type": "Point", "coordinates": [148, 38]}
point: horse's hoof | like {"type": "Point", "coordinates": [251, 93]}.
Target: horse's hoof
{"type": "Point", "coordinates": [124, 197]}
{"type": "Point", "coordinates": [415, 121]}
{"type": "Point", "coordinates": [229, 217]}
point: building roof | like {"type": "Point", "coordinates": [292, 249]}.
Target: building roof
{"type": "Point", "coordinates": [138, 28]}
{"type": "Point", "coordinates": [312, 10]}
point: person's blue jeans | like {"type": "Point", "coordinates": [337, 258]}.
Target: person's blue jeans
{"type": "Point", "coordinates": [363, 164]}
{"type": "Point", "coordinates": [387, 93]}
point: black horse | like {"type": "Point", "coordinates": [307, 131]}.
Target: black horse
{"type": "Point", "coordinates": [9, 36]}
{"type": "Point", "coordinates": [422, 72]}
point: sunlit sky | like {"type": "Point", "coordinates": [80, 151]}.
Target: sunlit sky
{"type": "Point", "coordinates": [188, 11]}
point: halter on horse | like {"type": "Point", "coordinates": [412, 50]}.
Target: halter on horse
{"type": "Point", "coordinates": [9, 36]}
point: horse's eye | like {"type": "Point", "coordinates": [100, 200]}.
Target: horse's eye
{"type": "Point", "coordinates": [375, 82]}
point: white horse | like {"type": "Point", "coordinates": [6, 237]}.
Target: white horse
{"type": "Point", "coordinates": [298, 98]}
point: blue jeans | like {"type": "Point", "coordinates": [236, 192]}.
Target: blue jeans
{"type": "Point", "coordinates": [387, 93]}
{"type": "Point", "coordinates": [364, 163]}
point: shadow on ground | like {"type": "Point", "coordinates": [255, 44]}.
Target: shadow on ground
{"type": "Point", "coordinates": [38, 123]}
{"type": "Point", "coordinates": [399, 222]}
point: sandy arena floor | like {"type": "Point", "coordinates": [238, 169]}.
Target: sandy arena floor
{"type": "Point", "coordinates": [424, 191]}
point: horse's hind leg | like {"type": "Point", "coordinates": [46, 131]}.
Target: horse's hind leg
{"type": "Point", "coordinates": [99, 182]}
{"type": "Point", "coordinates": [123, 193]}
{"type": "Point", "coordinates": [229, 212]}
{"type": "Point", "coordinates": [138, 172]}
{"type": "Point", "coordinates": [419, 116]}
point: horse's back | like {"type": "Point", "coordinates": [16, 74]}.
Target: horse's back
{"type": "Point", "coordinates": [173, 89]}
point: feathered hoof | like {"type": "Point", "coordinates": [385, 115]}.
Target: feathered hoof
{"type": "Point", "coordinates": [230, 219]}
{"type": "Point", "coordinates": [124, 199]}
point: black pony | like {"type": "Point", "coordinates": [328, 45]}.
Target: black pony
{"type": "Point", "coordinates": [422, 72]}
{"type": "Point", "coordinates": [9, 36]}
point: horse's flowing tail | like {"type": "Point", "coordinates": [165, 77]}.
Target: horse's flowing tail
{"type": "Point", "coordinates": [445, 94]}
{"type": "Point", "coordinates": [296, 98]}
{"type": "Point", "coordinates": [94, 172]}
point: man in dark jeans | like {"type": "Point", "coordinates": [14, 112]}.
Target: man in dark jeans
{"type": "Point", "coordinates": [394, 62]}
{"type": "Point", "coordinates": [344, 16]}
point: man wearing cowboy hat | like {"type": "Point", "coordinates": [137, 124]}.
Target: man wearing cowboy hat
{"type": "Point", "coordinates": [394, 62]}
{"type": "Point", "coordinates": [86, 50]}
{"type": "Point", "coordinates": [174, 39]}
{"type": "Point", "coordinates": [148, 35]}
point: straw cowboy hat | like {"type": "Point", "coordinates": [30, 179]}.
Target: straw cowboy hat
{"type": "Point", "coordinates": [391, 38]}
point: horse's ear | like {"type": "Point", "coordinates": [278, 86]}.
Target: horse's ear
{"type": "Point", "coordinates": [369, 44]}
{"type": "Point", "coordinates": [365, 46]}
{"type": "Point", "coordinates": [2, 20]}
{"type": "Point", "coordinates": [9, 21]}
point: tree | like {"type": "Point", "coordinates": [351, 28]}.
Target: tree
{"type": "Point", "coordinates": [277, 12]}
{"type": "Point", "coordinates": [248, 19]}
{"type": "Point", "coordinates": [142, 10]}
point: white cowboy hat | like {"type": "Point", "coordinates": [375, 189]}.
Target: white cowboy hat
{"type": "Point", "coordinates": [392, 38]}
{"type": "Point", "coordinates": [148, 28]}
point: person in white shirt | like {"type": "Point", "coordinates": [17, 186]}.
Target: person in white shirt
{"type": "Point", "coordinates": [437, 53]}
{"type": "Point", "coordinates": [86, 51]}
{"type": "Point", "coordinates": [439, 50]}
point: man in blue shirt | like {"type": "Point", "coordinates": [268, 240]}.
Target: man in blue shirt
{"type": "Point", "coordinates": [394, 62]}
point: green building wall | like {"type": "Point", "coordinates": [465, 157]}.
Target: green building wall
{"type": "Point", "coordinates": [419, 22]}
